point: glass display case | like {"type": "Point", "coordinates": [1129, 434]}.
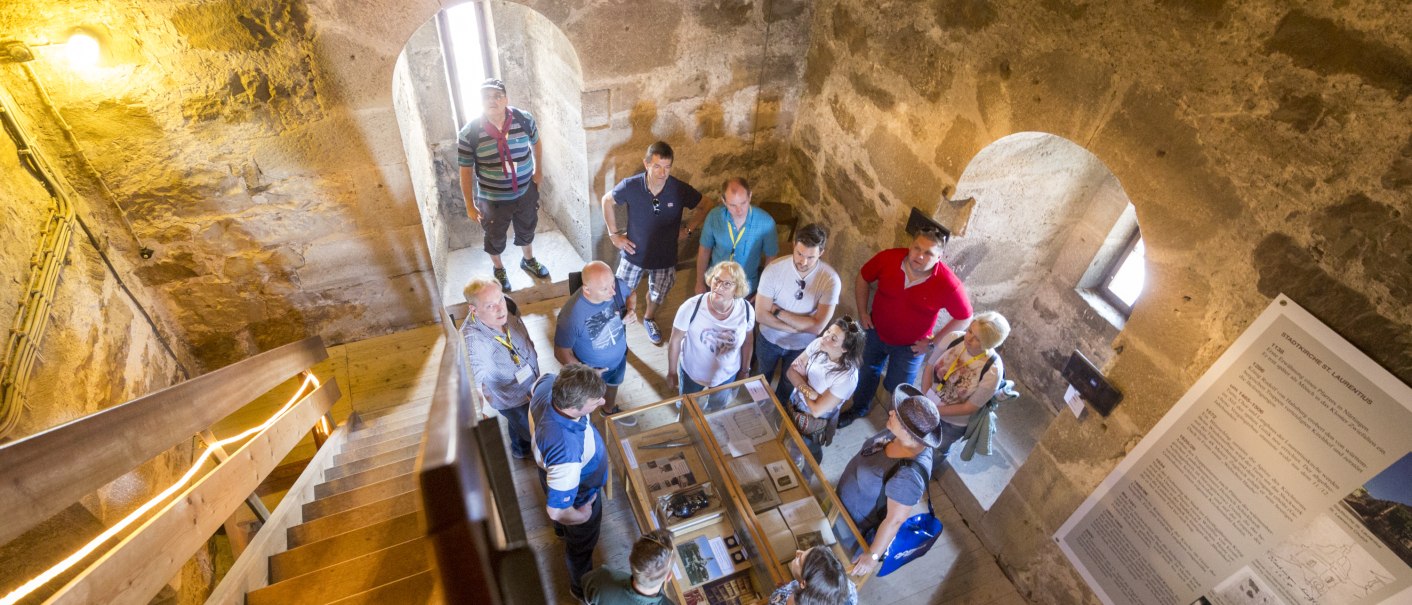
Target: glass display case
{"type": "Point", "coordinates": [726, 472]}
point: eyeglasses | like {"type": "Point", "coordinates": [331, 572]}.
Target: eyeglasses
{"type": "Point", "coordinates": [800, 294]}
{"type": "Point", "coordinates": [722, 283]}
{"type": "Point", "coordinates": [656, 206]}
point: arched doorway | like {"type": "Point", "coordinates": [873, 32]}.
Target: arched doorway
{"type": "Point", "coordinates": [1045, 222]}
{"type": "Point", "coordinates": [543, 76]}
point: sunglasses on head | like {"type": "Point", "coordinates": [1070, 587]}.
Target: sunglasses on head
{"type": "Point", "coordinates": [934, 233]}
{"type": "Point", "coordinates": [849, 324]}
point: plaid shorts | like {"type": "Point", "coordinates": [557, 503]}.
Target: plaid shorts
{"type": "Point", "coordinates": [659, 281]}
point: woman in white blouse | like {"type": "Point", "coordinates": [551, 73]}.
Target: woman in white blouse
{"type": "Point", "coordinates": [713, 333]}
{"type": "Point", "coordinates": [824, 376]}
{"type": "Point", "coordinates": [964, 377]}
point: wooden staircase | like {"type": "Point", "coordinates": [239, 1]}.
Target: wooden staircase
{"type": "Point", "coordinates": [361, 540]}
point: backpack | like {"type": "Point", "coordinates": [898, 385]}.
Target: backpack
{"type": "Point", "coordinates": [916, 535]}
{"type": "Point", "coordinates": [697, 309]}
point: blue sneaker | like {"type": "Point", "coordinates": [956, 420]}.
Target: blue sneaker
{"type": "Point", "coordinates": [653, 334]}
{"type": "Point", "coordinates": [533, 267]}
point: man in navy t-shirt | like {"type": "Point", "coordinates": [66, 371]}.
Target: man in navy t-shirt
{"type": "Point", "coordinates": [655, 201]}
{"type": "Point", "coordinates": [572, 467]}
{"type": "Point", "coordinates": [592, 329]}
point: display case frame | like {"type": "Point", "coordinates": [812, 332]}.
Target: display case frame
{"type": "Point", "coordinates": [807, 511]}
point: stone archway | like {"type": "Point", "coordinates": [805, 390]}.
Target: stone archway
{"type": "Point", "coordinates": [542, 73]}
{"type": "Point", "coordinates": [1042, 209]}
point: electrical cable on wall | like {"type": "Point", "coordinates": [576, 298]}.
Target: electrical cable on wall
{"type": "Point", "coordinates": [46, 265]}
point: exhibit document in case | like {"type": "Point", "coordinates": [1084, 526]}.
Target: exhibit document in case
{"type": "Point", "coordinates": [1279, 478]}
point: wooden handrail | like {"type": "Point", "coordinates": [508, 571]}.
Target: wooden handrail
{"type": "Point", "coordinates": [44, 473]}
{"type": "Point", "coordinates": [137, 568]}
{"type": "Point", "coordinates": [468, 534]}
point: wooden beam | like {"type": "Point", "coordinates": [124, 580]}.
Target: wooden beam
{"type": "Point", "coordinates": [42, 474]}
{"type": "Point", "coordinates": [136, 568]}
{"type": "Point", "coordinates": [252, 569]}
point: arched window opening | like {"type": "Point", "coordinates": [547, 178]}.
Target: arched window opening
{"type": "Point", "coordinates": [1050, 238]}
{"type": "Point", "coordinates": [436, 93]}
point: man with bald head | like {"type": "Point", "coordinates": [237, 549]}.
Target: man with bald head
{"type": "Point", "coordinates": [591, 329]}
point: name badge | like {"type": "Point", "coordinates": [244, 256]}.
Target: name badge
{"type": "Point", "coordinates": [524, 373]}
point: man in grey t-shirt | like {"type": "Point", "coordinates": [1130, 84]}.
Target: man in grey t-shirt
{"type": "Point", "coordinates": [795, 303]}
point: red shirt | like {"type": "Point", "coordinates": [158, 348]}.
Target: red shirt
{"type": "Point", "coordinates": [903, 315]}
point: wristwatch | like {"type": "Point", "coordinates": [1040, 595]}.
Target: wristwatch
{"type": "Point", "coordinates": [876, 557]}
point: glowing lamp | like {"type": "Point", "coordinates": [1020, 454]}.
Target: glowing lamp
{"type": "Point", "coordinates": [83, 50]}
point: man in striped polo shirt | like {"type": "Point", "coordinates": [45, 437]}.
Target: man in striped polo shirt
{"type": "Point", "coordinates": [499, 157]}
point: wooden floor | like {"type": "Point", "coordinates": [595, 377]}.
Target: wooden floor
{"type": "Point", "coordinates": [957, 570]}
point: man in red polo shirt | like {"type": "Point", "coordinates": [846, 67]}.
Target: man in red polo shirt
{"type": "Point", "coordinates": [913, 287]}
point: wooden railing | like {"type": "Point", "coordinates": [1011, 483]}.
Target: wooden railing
{"type": "Point", "coordinates": [47, 472]}
{"type": "Point", "coordinates": [468, 495]}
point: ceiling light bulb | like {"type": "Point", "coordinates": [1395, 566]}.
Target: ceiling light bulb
{"type": "Point", "coordinates": [83, 51]}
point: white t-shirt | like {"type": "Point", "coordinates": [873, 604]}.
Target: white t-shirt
{"type": "Point", "coordinates": [965, 384]}
{"type": "Point", "coordinates": [822, 373]}
{"type": "Point", "coordinates": [710, 352]}
{"type": "Point", "coordinates": [780, 283]}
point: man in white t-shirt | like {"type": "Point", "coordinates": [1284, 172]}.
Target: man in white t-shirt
{"type": "Point", "coordinates": [795, 302]}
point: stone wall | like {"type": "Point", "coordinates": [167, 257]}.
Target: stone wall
{"type": "Point", "coordinates": [541, 71]}
{"type": "Point", "coordinates": [1265, 150]}
{"type": "Point", "coordinates": [97, 351]}
{"type": "Point", "coordinates": [424, 117]}
{"type": "Point", "coordinates": [255, 148]}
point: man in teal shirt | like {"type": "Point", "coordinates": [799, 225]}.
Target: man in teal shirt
{"type": "Point", "coordinates": [736, 231]}
{"type": "Point", "coordinates": [651, 562]}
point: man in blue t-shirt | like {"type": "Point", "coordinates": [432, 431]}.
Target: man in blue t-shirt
{"type": "Point", "coordinates": [738, 232]}
{"type": "Point", "coordinates": [592, 329]}
{"type": "Point", "coordinates": [655, 201]}
{"type": "Point", "coordinates": [572, 467]}
{"type": "Point", "coordinates": [498, 153]}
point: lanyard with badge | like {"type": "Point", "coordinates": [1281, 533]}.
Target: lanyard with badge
{"type": "Point", "coordinates": [956, 364]}
{"type": "Point", "coordinates": [734, 235]}
{"type": "Point", "coordinates": [521, 373]}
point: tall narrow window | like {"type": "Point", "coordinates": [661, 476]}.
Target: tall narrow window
{"type": "Point", "coordinates": [462, 32]}
{"type": "Point", "coordinates": [1125, 276]}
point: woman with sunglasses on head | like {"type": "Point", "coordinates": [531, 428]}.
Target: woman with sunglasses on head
{"type": "Point", "coordinates": [824, 376]}
{"type": "Point", "coordinates": [713, 333]}
{"type": "Point", "coordinates": [818, 580]}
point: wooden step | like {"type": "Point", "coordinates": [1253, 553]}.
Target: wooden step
{"type": "Point", "coordinates": [394, 415]}
{"type": "Point", "coordinates": [377, 448]}
{"type": "Point", "coordinates": [381, 436]}
{"type": "Point", "coordinates": [349, 577]}
{"type": "Point", "coordinates": [359, 466]}
{"type": "Point", "coordinates": [354, 498]}
{"type": "Point", "coordinates": [419, 589]}
{"type": "Point", "coordinates": [372, 436]}
{"type": "Point", "coordinates": [354, 518]}
{"type": "Point", "coordinates": [344, 546]}
{"type": "Point", "coordinates": [356, 480]}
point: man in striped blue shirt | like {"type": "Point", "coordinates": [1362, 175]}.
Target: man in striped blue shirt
{"type": "Point", "coordinates": [499, 157]}
{"type": "Point", "coordinates": [572, 467]}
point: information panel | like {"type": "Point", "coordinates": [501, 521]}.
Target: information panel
{"type": "Point", "coordinates": [1288, 422]}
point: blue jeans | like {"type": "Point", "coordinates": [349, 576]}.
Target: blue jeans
{"type": "Point", "coordinates": [902, 367]}
{"type": "Point", "coordinates": [517, 419]}
{"type": "Point", "coordinates": [769, 355]}
{"type": "Point", "coordinates": [950, 434]}
{"type": "Point", "coordinates": [687, 386]}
